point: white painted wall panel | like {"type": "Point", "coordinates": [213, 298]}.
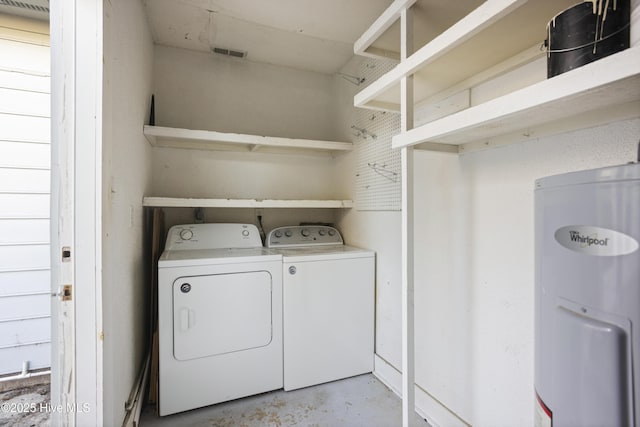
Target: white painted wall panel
{"type": "Point", "coordinates": [26, 181]}
{"type": "Point", "coordinates": [474, 269]}
{"type": "Point", "coordinates": [24, 102]}
{"type": "Point", "coordinates": [25, 282]}
{"type": "Point", "coordinates": [21, 81]}
{"type": "Point", "coordinates": [24, 193]}
{"type": "Point", "coordinates": [11, 357]}
{"type": "Point", "coordinates": [473, 262]}
{"type": "Point", "coordinates": [24, 230]}
{"type": "Point", "coordinates": [24, 206]}
{"type": "Point", "coordinates": [126, 167]}
{"type": "Point", "coordinates": [24, 257]}
{"type": "Point", "coordinates": [18, 56]}
{"type": "Point", "coordinates": [23, 155]}
{"type": "Point", "coordinates": [31, 330]}
{"type": "Point", "coordinates": [20, 307]}
{"type": "Point", "coordinates": [24, 128]}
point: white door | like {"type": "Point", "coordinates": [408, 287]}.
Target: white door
{"type": "Point", "coordinates": [76, 116]}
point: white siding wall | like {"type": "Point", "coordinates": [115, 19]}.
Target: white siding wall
{"type": "Point", "coordinates": [24, 194]}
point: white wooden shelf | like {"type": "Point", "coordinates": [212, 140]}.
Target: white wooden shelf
{"type": "Point", "coordinates": [589, 95]}
{"type": "Point", "coordinates": [171, 202]}
{"type": "Point", "coordinates": [159, 136]}
{"type": "Point", "coordinates": [496, 37]}
{"type": "Point", "coordinates": [493, 33]}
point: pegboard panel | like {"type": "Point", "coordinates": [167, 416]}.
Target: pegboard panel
{"type": "Point", "coordinates": [378, 183]}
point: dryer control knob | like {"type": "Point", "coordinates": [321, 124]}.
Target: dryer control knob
{"type": "Point", "coordinates": [186, 234]}
{"type": "Point", "coordinates": [245, 233]}
{"type": "Point", "coordinates": [288, 233]}
{"type": "Point", "coordinates": [332, 232]}
{"type": "Point", "coordinates": [305, 232]}
{"type": "Point", "coordinates": [321, 232]}
{"type": "Point", "coordinates": [278, 234]}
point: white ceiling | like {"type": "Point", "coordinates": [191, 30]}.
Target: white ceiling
{"type": "Point", "coordinates": [314, 35]}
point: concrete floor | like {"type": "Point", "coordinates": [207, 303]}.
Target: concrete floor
{"type": "Point", "coordinates": [23, 403]}
{"type": "Point", "coordinates": [358, 401]}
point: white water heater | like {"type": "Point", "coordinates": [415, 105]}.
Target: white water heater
{"type": "Point", "coordinates": [587, 298]}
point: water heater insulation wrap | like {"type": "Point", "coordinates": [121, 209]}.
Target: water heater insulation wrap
{"type": "Point", "coordinates": [587, 297]}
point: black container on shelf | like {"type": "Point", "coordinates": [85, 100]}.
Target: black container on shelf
{"type": "Point", "coordinates": [586, 32]}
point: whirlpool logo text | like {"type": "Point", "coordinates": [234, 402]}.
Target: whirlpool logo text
{"type": "Point", "coordinates": [575, 236]}
{"type": "Point", "coordinates": [596, 241]}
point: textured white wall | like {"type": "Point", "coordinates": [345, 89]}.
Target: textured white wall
{"type": "Point", "coordinates": [128, 54]}
{"type": "Point", "coordinates": [474, 267]}
{"type": "Point", "coordinates": [474, 263]}
{"type": "Point", "coordinates": [207, 91]}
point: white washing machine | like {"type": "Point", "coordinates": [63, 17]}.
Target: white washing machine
{"type": "Point", "coordinates": [328, 305]}
{"type": "Point", "coordinates": [219, 316]}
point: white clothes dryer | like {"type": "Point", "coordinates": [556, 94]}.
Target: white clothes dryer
{"type": "Point", "coordinates": [219, 316]}
{"type": "Point", "coordinates": [328, 305]}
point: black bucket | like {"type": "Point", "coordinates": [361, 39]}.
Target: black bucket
{"type": "Point", "coordinates": [586, 32]}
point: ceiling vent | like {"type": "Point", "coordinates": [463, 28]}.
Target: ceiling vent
{"type": "Point", "coordinates": [230, 52]}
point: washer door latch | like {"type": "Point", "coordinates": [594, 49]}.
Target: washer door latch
{"type": "Point", "coordinates": [292, 270]}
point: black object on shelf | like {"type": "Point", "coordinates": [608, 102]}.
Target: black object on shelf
{"type": "Point", "coordinates": [586, 32]}
{"type": "Point", "coordinates": [152, 113]}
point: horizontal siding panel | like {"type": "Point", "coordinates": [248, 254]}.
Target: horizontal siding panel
{"type": "Point", "coordinates": [24, 57]}
{"type": "Point", "coordinates": [25, 331]}
{"type": "Point", "coordinates": [25, 155]}
{"type": "Point", "coordinates": [24, 128]}
{"type": "Point", "coordinates": [25, 306]}
{"type": "Point", "coordinates": [18, 101]}
{"type": "Point", "coordinates": [24, 257]}
{"type": "Point", "coordinates": [24, 181]}
{"type": "Point", "coordinates": [24, 230]}
{"type": "Point", "coordinates": [24, 282]}
{"type": "Point", "coordinates": [32, 82]}
{"type": "Point", "coordinates": [38, 356]}
{"type": "Point", "coordinates": [24, 206]}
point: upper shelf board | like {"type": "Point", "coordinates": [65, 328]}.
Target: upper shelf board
{"type": "Point", "coordinates": [171, 202]}
{"type": "Point", "coordinates": [481, 38]}
{"type": "Point", "coordinates": [591, 89]}
{"type": "Point", "coordinates": [159, 136]}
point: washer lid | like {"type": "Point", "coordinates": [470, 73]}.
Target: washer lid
{"type": "Point", "coordinates": [322, 253]}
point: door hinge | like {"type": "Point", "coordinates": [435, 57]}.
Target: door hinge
{"type": "Point", "coordinates": [64, 293]}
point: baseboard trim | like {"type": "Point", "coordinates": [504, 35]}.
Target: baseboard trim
{"type": "Point", "coordinates": [427, 407]}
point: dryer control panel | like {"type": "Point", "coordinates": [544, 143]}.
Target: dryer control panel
{"type": "Point", "coordinates": [212, 236]}
{"type": "Point", "coordinates": [303, 235]}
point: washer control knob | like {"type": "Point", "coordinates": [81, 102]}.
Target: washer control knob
{"type": "Point", "coordinates": [288, 233]}
{"type": "Point", "coordinates": [305, 232]}
{"type": "Point", "coordinates": [278, 234]}
{"type": "Point", "coordinates": [332, 232]}
{"type": "Point", "coordinates": [322, 232]}
{"type": "Point", "coordinates": [186, 234]}
{"type": "Point", "coordinates": [245, 233]}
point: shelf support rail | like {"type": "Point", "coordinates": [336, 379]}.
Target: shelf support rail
{"type": "Point", "coordinates": [406, 124]}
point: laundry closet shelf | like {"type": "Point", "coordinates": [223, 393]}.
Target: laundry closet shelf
{"type": "Point", "coordinates": [168, 137]}
{"type": "Point", "coordinates": [478, 44]}
{"type": "Point", "coordinates": [597, 93]}
{"type": "Point", "coordinates": [171, 202]}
